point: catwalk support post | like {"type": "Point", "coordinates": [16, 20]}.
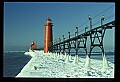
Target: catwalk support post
{"type": "Point", "coordinates": [76, 47]}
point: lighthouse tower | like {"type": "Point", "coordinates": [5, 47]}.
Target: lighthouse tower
{"type": "Point", "coordinates": [48, 36]}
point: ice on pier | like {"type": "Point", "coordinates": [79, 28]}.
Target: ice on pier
{"type": "Point", "coordinates": [75, 59]}
{"type": "Point", "coordinates": [87, 64]}
{"type": "Point", "coordinates": [52, 65]}
{"type": "Point", "coordinates": [67, 58]}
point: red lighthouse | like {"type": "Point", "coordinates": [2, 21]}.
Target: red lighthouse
{"type": "Point", "coordinates": [48, 35]}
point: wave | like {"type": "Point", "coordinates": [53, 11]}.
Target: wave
{"type": "Point", "coordinates": [13, 51]}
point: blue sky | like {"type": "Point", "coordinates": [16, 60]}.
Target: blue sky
{"type": "Point", "coordinates": [24, 21]}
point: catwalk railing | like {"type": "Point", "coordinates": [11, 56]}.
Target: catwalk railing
{"type": "Point", "coordinates": [79, 40]}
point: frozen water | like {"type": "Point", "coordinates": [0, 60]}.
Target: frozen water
{"type": "Point", "coordinates": [52, 65]}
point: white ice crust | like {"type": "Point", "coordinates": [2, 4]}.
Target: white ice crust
{"type": "Point", "coordinates": [53, 65]}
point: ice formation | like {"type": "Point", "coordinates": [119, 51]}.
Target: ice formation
{"type": "Point", "coordinates": [50, 65]}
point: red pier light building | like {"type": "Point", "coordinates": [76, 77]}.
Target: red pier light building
{"type": "Point", "coordinates": [33, 46]}
{"type": "Point", "coordinates": [48, 37]}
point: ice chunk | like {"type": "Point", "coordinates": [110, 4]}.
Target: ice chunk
{"type": "Point", "coordinates": [67, 59]}
{"type": "Point", "coordinates": [75, 59]}
{"type": "Point", "coordinates": [87, 64]}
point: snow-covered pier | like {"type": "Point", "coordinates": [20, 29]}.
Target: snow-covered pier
{"type": "Point", "coordinates": [52, 65]}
